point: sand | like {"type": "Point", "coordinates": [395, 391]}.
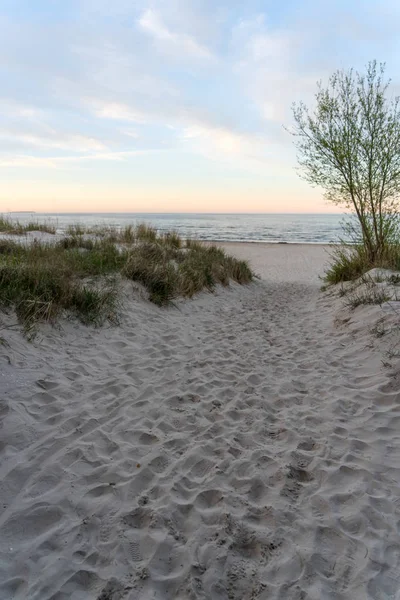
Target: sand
{"type": "Point", "coordinates": [244, 445]}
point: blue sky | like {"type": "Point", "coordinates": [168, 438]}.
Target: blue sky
{"type": "Point", "coordinates": [170, 105]}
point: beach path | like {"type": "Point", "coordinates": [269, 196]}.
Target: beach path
{"type": "Point", "coordinates": [241, 446]}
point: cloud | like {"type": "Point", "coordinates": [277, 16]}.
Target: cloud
{"type": "Point", "coordinates": [196, 77]}
{"type": "Point", "coordinates": [224, 141]}
{"type": "Point", "coordinates": [117, 111]}
{"type": "Point", "coordinates": [266, 62]}
{"type": "Point", "coordinates": [27, 161]}
{"type": "Point", "coordinates": [130, 133]}
{"type": "Point", "coordinates": [111, 80]}
{"type": "Point", "coordinates": [151, 23]}
{"type": "Point", "coordinates": [57, 141]}
{"type": "Point", "coordinates": [198, 133]}
{"type": "Point", "coordinates": [260, 42]}
{"type": "Point", "coordinates": [243, 151]}
{"type": "Point", "coordinates": [55, 162]}
{"type": "Point", "coordinates": [280, 61]}
{"type": "Point", "coordinates": [16, 109]}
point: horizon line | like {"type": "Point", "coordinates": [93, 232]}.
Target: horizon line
{"type": "Point", "coordinates": [16, 212]}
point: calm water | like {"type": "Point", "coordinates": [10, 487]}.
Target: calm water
{"type": "Point", "coordinates": [305, 228]}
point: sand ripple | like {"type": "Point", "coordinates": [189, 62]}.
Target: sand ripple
{"type": "Point", "coordinates": [239, 447]}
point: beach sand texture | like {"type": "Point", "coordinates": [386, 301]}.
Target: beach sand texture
{"type": "Point", "coordinates": [244, 445]}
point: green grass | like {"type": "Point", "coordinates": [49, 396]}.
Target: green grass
{"type": "Point", "coordinates": [347, 263]}
{"type": "Point", "coordinates": [351, 262]}
{"type": "Point", "coordinates": [146, 233]}
{"type": "Point", "coordinates": [172, 238]}
{"type": "Point", "coordinates": [39, 290]}
{"type": "Point", "coordinates": [8, 225]}
{"type": "Point", "coordinates": [125, 235]}
{"type": "Point", "coordinates": [77, 274]}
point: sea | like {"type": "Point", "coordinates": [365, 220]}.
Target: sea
{"type": "Point", "coordinates": [278, 228]}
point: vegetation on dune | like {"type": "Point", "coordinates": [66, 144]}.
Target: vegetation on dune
{"type": "Point", "coordinates": [372, 295]}
{"type": "Point", "coordinates": [351, 261]}
{"type": "Point", "coordinates": [10, 226]}
{"type": "Point", "coordinates": [42, 280]}
{"type": "Point", "coordinates": [77, 229]}
{"type": "Point", "coordinates": [127, 234]}
{"type": "Point", "coordinates": [80, 274]}
{"type": "Point", "coordinates": [349, 145]}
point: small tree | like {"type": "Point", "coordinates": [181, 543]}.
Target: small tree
{"type": "Point", "coordinates": [350, 146]}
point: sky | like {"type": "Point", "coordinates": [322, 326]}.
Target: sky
{"type": "Point", "coordinates": [171, 105]}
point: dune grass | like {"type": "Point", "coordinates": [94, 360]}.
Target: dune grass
{"type": "Point", "coordinates": [79, 274]}
{"type": "Point", "coordinates": [76, 229]}
{"type": "Point", "coordinates": [11, 226]}
{"type": "Point", "coordinates": [369, 295]}
{"type": "Point", "coordinates": [350, 262]}
{"type": "Point", "coordinates": [41, 281]}
{"type": "Point", "coordinates": [125, 235]}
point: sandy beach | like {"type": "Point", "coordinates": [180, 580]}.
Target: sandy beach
{"type": "Point", "coordinates": [243, 445]}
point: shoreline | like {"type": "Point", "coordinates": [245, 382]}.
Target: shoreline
{"type": "Point", "coordinates": [265, 243]}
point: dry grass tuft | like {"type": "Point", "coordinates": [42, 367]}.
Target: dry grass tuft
{"type": "Point", "coordinates": [368, 295]}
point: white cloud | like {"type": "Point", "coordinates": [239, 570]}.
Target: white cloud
{"type": "Point", "coordinates": [151, 23]}
{"type": "Point", "coordinates": [209, 137]}
{"type": "Point", "coordinates": [58, 141]}
{"type": "Point", "coordinates": [270, 46]}
{"type": "Point", "coordinates": [244, 151]}
{"type": "Point", "coordinates": [130, 133]}
{"type": "Point", "coordinates": [268, 61]}
{"type": "Point", "coordinates": [16, 109]}
{"type": "Point", "coordinates": [196, 133]}
{"type": "Point", "coordinates": [27, 161]}
{"type": "Point", "coordinates": [224, 140]}
{"type": "Point", "coordinates": [256, 41]}
{"type": "Point", "coordinates": [61, 161]}
{"type": "Point", "coordinates": [117, 111]}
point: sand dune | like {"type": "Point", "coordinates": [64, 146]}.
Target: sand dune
{"type": "Point", "coordinates": [244, 445]}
